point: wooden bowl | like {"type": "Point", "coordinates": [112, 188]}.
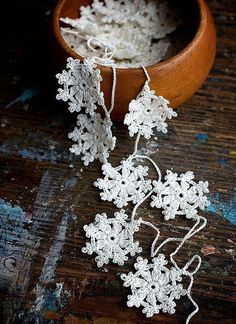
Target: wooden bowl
{"type": "Point", "coordinates": [176, 78]}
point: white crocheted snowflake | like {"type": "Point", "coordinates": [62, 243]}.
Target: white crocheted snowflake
{"type": "Point", "coordinates": [81, 86]}
{"type": "Point", "coordinates": [154, 286]}
{"type": "Point", "coordinates": [148, 112]}
{"type": "Point", "coordinates": [112, 238]}
{"type": "Point", "coordinates": [123, 184]}
{"type": "Point", "coordinates": [180, 195]}
{"type": "Point", "coordinates": [93, 137]}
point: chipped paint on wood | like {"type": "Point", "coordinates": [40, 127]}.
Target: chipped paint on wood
{"type": "Point", "coordinates": [25, 96]}
{"type": "Point", "coordinates": [226, 208]}
{"type": "Point", "coordinates": [202, 138]}
{"type": "Point", "coordinates": [41, 153]}
{"type": "Point", "coordinates": [208, 249]}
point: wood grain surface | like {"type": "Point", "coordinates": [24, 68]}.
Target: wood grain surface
{"type": "Point", "coordinates": [47, 195]}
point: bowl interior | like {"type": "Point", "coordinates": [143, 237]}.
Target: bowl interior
{"type": "Point", "coordinates": [180, 38]}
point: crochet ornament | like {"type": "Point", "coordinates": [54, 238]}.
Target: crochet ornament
{"type": "Point", "coordinates": [112, 238]}
{"type": "Point", "coordinates": [124, 183]}
{"type": "Point", "coordinates": [180, 195]}
{"type": "Point", "coordinates": [93, 137]}
{"type": "Point", "coordinates": [155, 286]}
{"type": "Point", "coordinates": [147, 113]}
{"type": "Point", "coordinates": [81, 86]}
{"type": "Point", "coordinates": [81, 89]}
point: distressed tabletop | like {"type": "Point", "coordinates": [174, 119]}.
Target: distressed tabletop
{"type": "Point", "coordinates": [47, 195]}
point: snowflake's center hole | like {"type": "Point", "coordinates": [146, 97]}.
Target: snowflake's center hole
{"type": "Point", "coordinates": [112, 238]}
{"type": "Point", "coordinates": [181, 195]}
{"type": "Point", "coordinates": [153, 286]}
{"type": "Point", "coordinates": [123, 182]}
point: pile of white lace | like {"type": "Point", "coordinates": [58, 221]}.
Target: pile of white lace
{"type": "Point", "coordinates": [156, 286]}
{"type": "Point", "coordinates": [134, 32]}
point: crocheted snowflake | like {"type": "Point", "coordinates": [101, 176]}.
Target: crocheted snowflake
{"type": "Point", "coordinates": [81, 86]}
{"type": "Point", "coordinates": [180, 195]}
{"type": "Point", "coordinates": [112, 238]}
{"type": "Point", "coordinates": [154, 286]}
{"type": "Point", "coordinates": [148, 112]}
{"type": "Point", "coordinates": [93, 137]}
{"type": "Point", "coordinates": [123, 184]}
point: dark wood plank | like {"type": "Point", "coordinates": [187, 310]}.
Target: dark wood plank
{"type": "Point", "coordinates": [47, 195]}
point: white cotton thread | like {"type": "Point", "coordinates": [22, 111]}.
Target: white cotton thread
{"type": "Point", "coordinates": [113, 92]}
{"type": "Point", "coordinates": [136, 143]}
{"type": "Point", "coordinates": [146, 74]}
{"type": "Point", "coordinates": [138, 156]}
{"type": "Point", "coordinates": [157, 236]}
{"type": "Point", "coordinates": [189, 234]}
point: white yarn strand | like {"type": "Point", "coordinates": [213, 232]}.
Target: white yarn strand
{"type": "Point", "coordinates": [113, 92]}
{"type": "Point", "coordinates": [190, 233]}
{"type": "Point", "coordinates": [144, 157]}
{"type": "Point", "coordinates": [136, 143]}
{"type": "Point", "coordinates": [146, 74]}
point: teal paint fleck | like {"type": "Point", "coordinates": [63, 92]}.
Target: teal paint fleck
{"type": "Point", "coordinates": [36, 153]}
{"type": "Point", "coordinates": [202, 138]}
{"type": "Point", "coordinates": [4, 148]}
{"type": "Point", "coordinates": [25, 96]}
{"type": "Point", "coordinates": [211, 209]}
{"type": "Point", "coordinates": [71, 182]}
{"type": "Point", "coordinates": [225, 208]}
{"type": "Point", "coordinates": [39, 154]}
{"type": "Point", "coordinates": [12, 222]}
{"type": "Point", "coordinates": [53, 300]}
{"type": "Point", "coordinates": [222, 162]}
{"type": "Point", "coordinates": [48, 299]}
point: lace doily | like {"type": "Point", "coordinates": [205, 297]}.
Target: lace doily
{"type": "Point", "coordinates": [93, 137]}
{"type": "Point", "coordinates": [154, 286]}
{"type": "Point", "coordinates": [81, 86]}
{"type": "Point", "coordinates": [123, 184]}
{"type": "Point", "coordinates": [112, 238]}
{"type": "Point", "coordinates": [141, 26]}
{"type": "Point", "coordinates": [180, 195]}
{"type": "Point", "coordinates": [148, 112]}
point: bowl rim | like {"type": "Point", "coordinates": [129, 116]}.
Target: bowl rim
{"type": "Point", "coordinates": [202, 7]}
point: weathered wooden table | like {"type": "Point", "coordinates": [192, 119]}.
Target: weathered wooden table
{"type": "Point", "coordinates": [47, 195]}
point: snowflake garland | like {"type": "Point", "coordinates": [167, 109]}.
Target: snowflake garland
{"type": "Point", "coordinates": [148, 112]}
{"type": "Point", "coordinates": [81, 86]}
{"type": "Point", "coordinates": [93, 137]}
{"type": "Point", "coordinates": [180, 195]}
{"type": "Point", "coordinates": [154, 286]}
{"type": "Point", "coordinates": [124, 184]}
{"type": "Point", "coordinates": [112, 238]}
